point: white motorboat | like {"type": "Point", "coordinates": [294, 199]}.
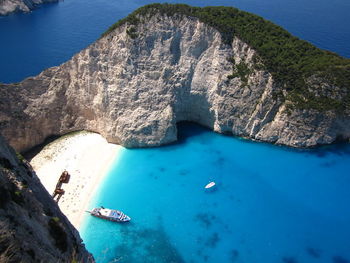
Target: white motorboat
{"type": "Point", "coordinates": [109, 214]}
{"type": "Point", "coordinates": [210, 185]}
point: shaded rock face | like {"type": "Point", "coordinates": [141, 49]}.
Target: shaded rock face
{"type": "Point", "coordinates": [10, 6]}
{"type": "Point", "coordinates": [32, 228]}
{"type": "Point", "coordinates": [133, 85]}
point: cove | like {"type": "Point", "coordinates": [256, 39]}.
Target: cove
{"type": "Point", "coordinates": [270, 204]}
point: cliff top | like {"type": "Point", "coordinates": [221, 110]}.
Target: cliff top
{"type": "Point", "coordinates": [296, 64]}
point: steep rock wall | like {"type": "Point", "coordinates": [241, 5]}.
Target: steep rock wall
{"type": "Point", "coordinates": [134, 84]}
{"type": "Point", "coordinates": [10, 6]}
{"type": "Point", "coordinates": [32, 228]}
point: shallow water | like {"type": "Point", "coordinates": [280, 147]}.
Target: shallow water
{"type": "Point", "coordinates": [270, 204]}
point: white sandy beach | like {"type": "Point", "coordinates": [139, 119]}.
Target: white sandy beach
{"type": "Point", "coordinates": [87, 157]}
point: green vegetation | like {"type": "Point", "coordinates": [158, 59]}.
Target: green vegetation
{"type": "Point", "coordinates": [241, 71]}
{"type": "Point", "coordinates": [56, 219]}
{"type": "Point", "coordinates": [20, 156]}
{"type": "Point", "coordinates": [291, 61]}
{"type": "Point", "coordinates": [132, 32]}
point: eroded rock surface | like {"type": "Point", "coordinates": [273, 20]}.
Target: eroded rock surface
{"type": "Point", "coordinates": [134, 84]}
{"type": "Point", "coordinates": [32, 228]}
{"type": "Point", "coordinates": [10, 6]}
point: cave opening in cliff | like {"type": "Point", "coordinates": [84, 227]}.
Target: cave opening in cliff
{"type": "Point", "coordinates": [188, 129]}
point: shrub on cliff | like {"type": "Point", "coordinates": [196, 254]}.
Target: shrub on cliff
{"type": "Point", "coordinates": [291, 61]}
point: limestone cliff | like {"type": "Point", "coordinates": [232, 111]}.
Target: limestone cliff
{"type": "Point", "coordinates": [32, 227]}
{"type": "Point", "coordinates": [10, 6]}
{"type": "Point", "coordinates": [135, 83]}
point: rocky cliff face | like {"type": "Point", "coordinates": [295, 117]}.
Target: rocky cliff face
{"type": "Point", "coordinates": [134, 84]}
{"type": "Point", "coordinates": [10, 6]}
{"type": "Point", "coordinates": [32, 228]}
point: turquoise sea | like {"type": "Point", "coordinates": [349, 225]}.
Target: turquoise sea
{"type": "Point", "coordinates": [270, 204]}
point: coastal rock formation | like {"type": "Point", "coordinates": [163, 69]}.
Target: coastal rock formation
{"type": "Point", "coordinates": [135, 83]}
{"type": "Point", "coordinates": [10, 6]}
{"type": "Point", "coordinates": [32, 227]}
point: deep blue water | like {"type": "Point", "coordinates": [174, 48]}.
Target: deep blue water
{"type": "Point", "coordinates": [271, 204]}
{"type": "Point", "coordinates": [53, 33]}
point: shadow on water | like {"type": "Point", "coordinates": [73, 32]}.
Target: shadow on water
{"type": "Point", "coordinates": [337, 149]}
{"type": "Point", "coordinates": [289, 260]}
{"type": "Point", "coordinates": [313, 252]}
{"type": "Point", "coordinates": [212, 190]}
{"type": "Point", "coordinates": [234, 254]}
{"type": "Point", "coordinates": [339, 259]}
{"type": "Point", "coordinates": [186, 130]}
{"type": "Point", "coordinates": [145, 245]}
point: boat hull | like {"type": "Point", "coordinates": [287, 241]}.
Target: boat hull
{"type": "Point", "coordinates": [210, 185]}
{"type": "Point", "coordinates": [110, 214]}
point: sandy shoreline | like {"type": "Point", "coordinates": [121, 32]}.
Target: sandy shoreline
{"type": "Point", "coordinates": [87, 157]}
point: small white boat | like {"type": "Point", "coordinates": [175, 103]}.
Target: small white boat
{"type": "Point", "coordinates": [109, 214]}
{"type": "Point", "coordinates": [210, 185]}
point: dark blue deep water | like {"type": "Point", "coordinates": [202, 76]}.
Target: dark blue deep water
{"type": "Point", "coordinates": [50, 35]}
{"type": "Point", "coordinates": [271, 204]}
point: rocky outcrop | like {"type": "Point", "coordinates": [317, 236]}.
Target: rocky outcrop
{"type": "Point", "coordinates": [10, 6]}
{"type": "Point", "coordinates": [32, 227]}
{"type": "Point", "coordinates": [134, 84]}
